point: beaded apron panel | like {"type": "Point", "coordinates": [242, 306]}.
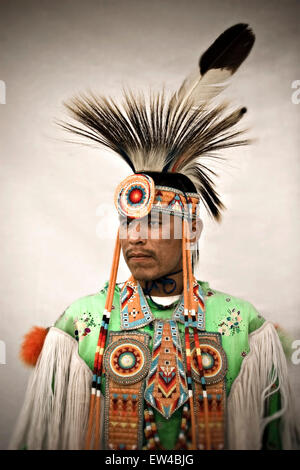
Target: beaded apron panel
{"type": "Point", "coordinates": [166, 388]}
{"type": "Point", "coordinates": [126, 361]}
{"type": "Point", "coordinates": [215, 366]}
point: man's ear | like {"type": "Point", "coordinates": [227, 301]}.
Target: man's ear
{"type": "Point", "coordinates": [197, 227]}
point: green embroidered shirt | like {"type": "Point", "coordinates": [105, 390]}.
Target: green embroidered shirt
{"type": "Point", "coordinates": [233, 318]}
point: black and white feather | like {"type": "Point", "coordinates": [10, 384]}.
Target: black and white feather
{"type": "Point", "coordinates": [217, 64]}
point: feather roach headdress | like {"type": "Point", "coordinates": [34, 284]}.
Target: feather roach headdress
{"type": "Point", "coordinates": [172, 134]}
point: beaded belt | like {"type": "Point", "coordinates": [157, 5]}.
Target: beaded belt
{"type": "Point", "coordinates": [127, 363]}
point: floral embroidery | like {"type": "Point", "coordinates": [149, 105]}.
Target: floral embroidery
{"type": "Point", "coordinates": [84, 325]}
{"type": "Point", "coordinates": [243, 354]}
{"type": "Point", "coordinates": [209, 293]}
{"type": "Point", "coordinates": [231, 324]}
{"type": "Point", "coordinates": [228, 299]}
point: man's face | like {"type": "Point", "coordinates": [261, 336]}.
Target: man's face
{"type": "Point", "coordinates": [151, 246]}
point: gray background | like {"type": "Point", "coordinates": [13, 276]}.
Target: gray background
{"type": "Point", "coordinates": [52, 192]}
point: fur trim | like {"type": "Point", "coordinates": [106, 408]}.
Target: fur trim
{"type": "Point", "coordinates": [32, 345]}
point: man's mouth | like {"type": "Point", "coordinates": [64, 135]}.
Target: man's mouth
{"type": "Point", "coordinates": [138, 256]}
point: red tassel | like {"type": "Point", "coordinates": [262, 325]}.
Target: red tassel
{"type": "Point", "coordinates": [32, 345]}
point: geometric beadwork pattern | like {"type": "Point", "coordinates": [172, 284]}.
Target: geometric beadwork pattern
{"type": "Point", "coordinates": [166, 388]}
{"type": "Point", "coordinates": [214, 366]}
{"type": "Point", "coordinates": [174, 202]}
{"type": "Point", "coordinates": [197, 304]}
{"type": "Point", "coordinates": [136, 313]}
{"type": "Point", "coordinates": [123, 414]}
{"type": "Point", "coordinates": [127, 360]}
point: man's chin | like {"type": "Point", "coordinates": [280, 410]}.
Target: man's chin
{"type": "Point", "coordinates": [141, 273]}
{"type": "Point", "coordinates": [141, 263]}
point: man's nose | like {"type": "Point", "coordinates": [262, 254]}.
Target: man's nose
{"type": "Point", "coordinates": [136, 231]}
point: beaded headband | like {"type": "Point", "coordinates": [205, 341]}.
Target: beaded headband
{"type": "Point", "coordinates": [137, 195]}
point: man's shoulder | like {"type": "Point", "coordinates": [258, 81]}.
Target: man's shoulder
{"type": "Point", "coordinates": [90, 303]}
{"type": "Point", "coordinates": [218, 295]}
{"type": "Point", "coordinates": [224, 301]}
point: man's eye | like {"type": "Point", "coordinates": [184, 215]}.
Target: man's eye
{"type": "Point", "coordinates": [154, 223]}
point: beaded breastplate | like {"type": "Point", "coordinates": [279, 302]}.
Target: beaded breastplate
{"type": "Point", "coordinates": [139, 380]}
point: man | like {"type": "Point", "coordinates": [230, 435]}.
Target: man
{"type": "Point", "coordinates": [163, 360]}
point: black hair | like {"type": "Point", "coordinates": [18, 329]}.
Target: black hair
{"type": "Point", "coordinates": [173, 180]}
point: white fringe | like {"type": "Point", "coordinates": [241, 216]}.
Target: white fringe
{"type": "Point", "coordinates": [251, 391]}
{"type": "Point", "coordinates": [55, 410]}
